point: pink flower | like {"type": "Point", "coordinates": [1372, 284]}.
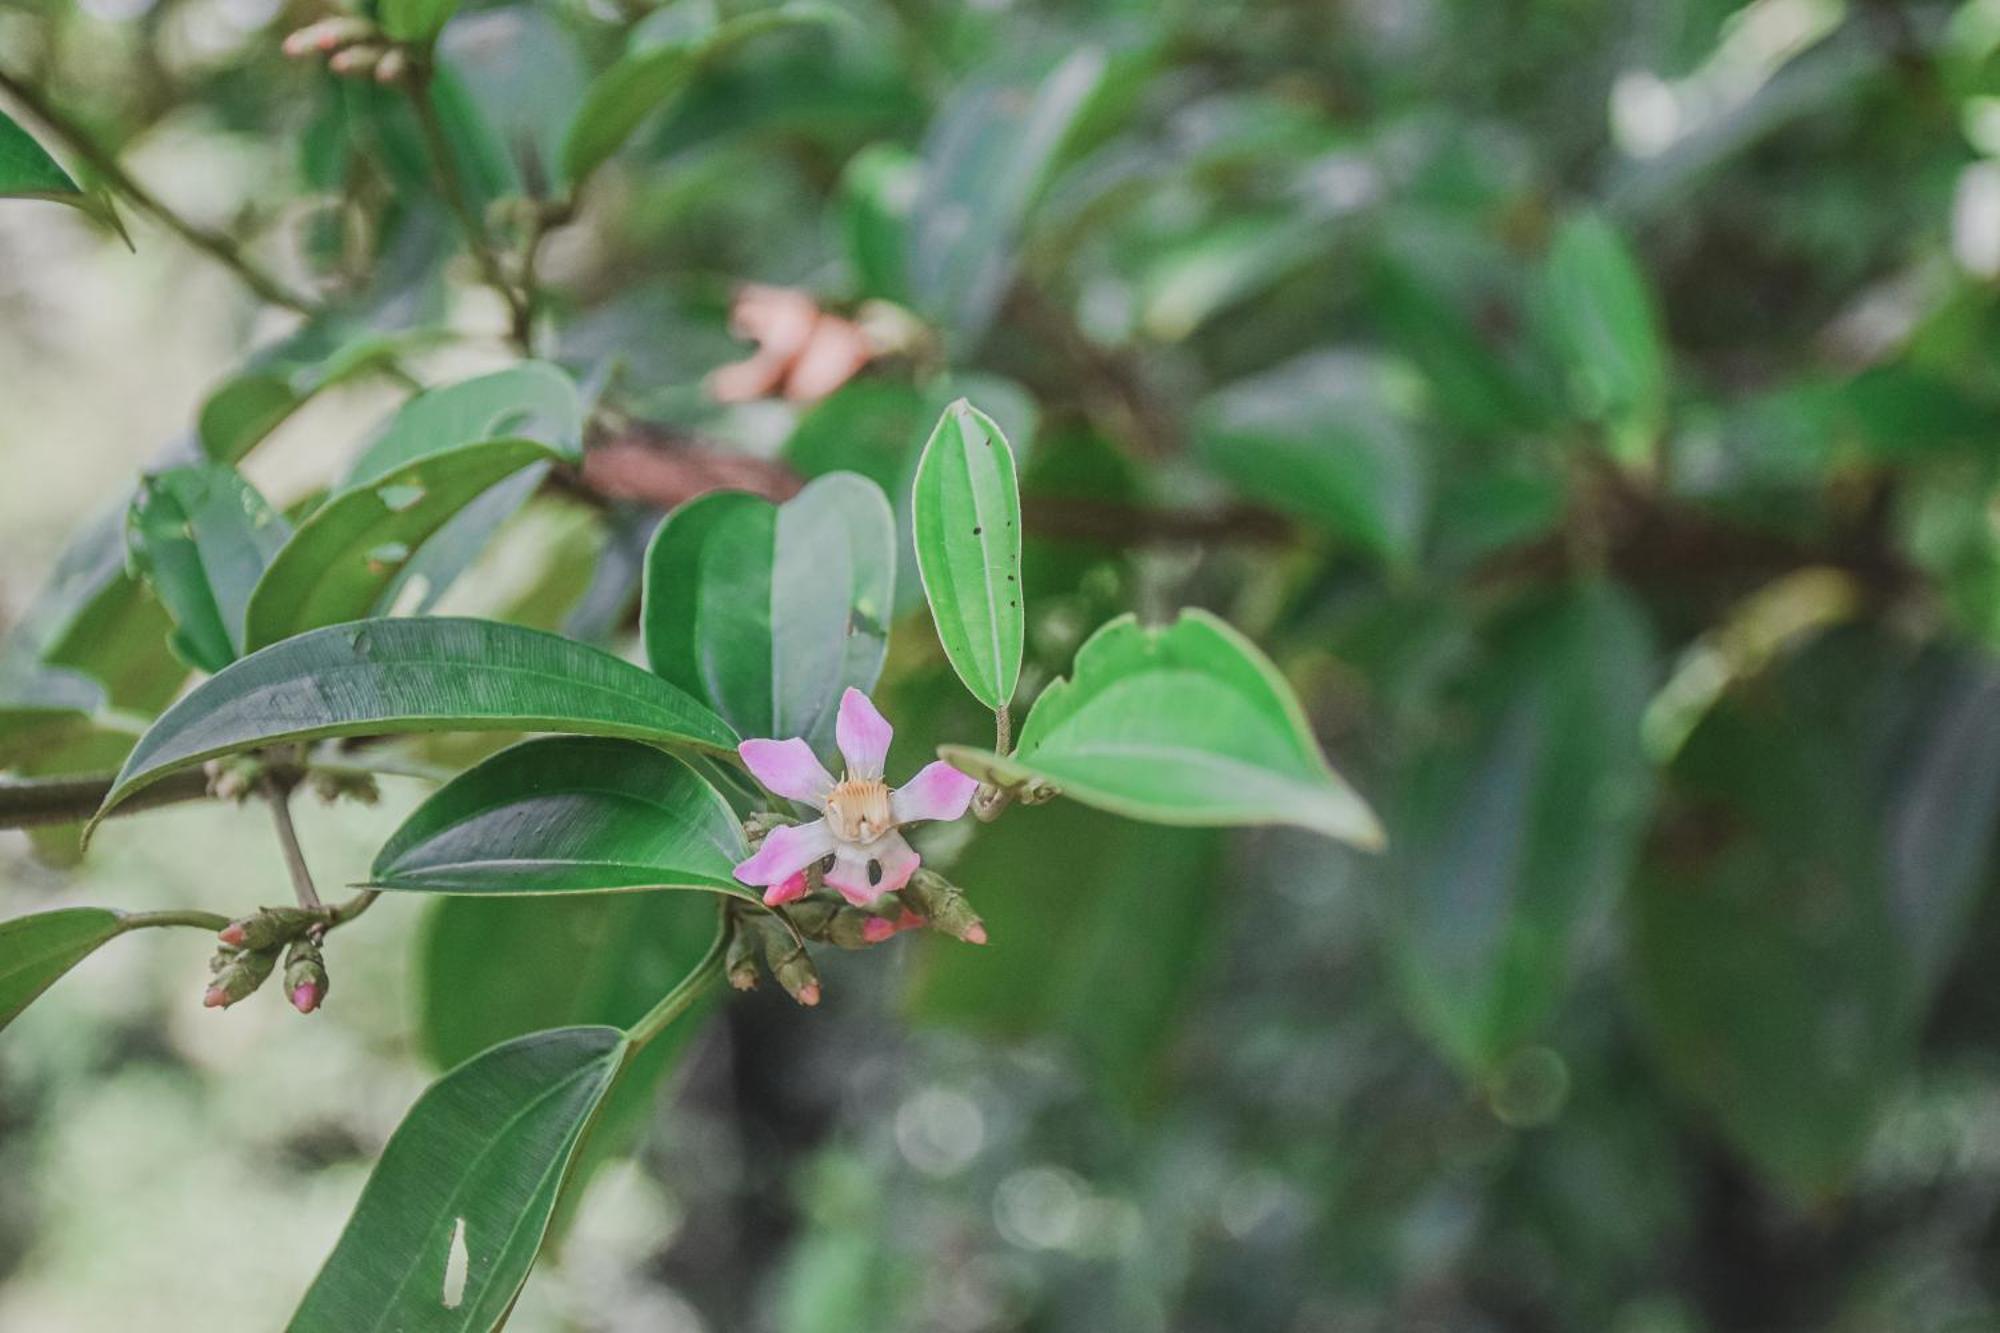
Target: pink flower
{"type": "Point", "coordinates": [861, 815]}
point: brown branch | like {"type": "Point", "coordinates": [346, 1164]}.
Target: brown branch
{"type": "Point", "coordinates": [646, 465]}
{"type": "Point", "coordinates": [42, 802]}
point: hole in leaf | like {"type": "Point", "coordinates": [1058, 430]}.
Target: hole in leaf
{"type": "Point", "coordinates": [410, 596]}
{"type": "Point", "coordinates": [457, 1267]}
{"type": "Point", "coordinates": [387, 556]}
{"type": "Point", "coordinates": [400, 496]}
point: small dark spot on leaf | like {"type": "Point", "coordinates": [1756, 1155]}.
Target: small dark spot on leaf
{"type": "Point", "coordinates": [976, 529]}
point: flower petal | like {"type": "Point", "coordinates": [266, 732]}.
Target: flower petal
{"type": "Point", "coordinates": [788, 768]}
{"type": "Point", "coordinates": [850, 876]}
{"type": "Point", "coordinates": [863, 733]}
{"type": "Point", "coordinates": [790, 891]}
{"type": "Point", "coordinates": [787, 851]}
{"type": "Point", "coordinates": [899, 862]}
{"type": "Point", "coordinates": [938, 791]}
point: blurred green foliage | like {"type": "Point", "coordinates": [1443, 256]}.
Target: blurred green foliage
{"type": "Point", "coordinates": [1590, 407]}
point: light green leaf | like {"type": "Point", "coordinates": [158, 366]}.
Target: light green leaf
{"type": "Point", "coordinates": [248, 406]}
{"type": "Point", "coordinates": [377, 677]}
{"type": "Point", "coordinates": [454, 1214]}
{"type": "Point", "coordinates": [36, 950]}
{"type": "Point", "coordinates": [531, 401]}
{"type": "Point", "coordinates": [344, 561]}
{"type": "Point", "coordinates": [202, 536]}
{"type": "Point", "coordinates": [619, 100]}
{"type": "Point", "coordinates": [1188, 724]}
{"type": "Point", "coordinates": [770, 611]}
{"type": "Point", "coordinates": [415, 20]}
{"type": "Point", "coordinates": [568, 814]}
{"type": "Point", "coordinates": [966, 509]}
{"type": "Point", "coordinates": [1605, 331]}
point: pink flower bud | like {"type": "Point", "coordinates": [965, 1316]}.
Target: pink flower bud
{"type": "Point", "coordinates": [305, 997]}
{"type": "Point", "coordinates": [879, 928]}
{"type": "Point", "coordinates": [216, 998]}
{"type": "Point", "coordinates": [787, 891]}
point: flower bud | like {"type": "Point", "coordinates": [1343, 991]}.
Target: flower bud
{"type": "Point", "coordinates": [267, 928]}
{"type": "Point", "coordinates": [358, 60]}
{"type": "Point", "coordinates": [787, 960]}
{"type": "Point", "coordinates": [739, 960]}
{"type": "Point", "coordinates": [305, 975]}
{"type": "Point", "coordinates": [237, 974]}
{"type": "Point", "coordinates": [325, 35]}
{"type": "Point", "coordinates": [935, 898]}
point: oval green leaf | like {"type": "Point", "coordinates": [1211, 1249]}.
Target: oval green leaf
{"type": "Point", "coordinates": [1189, 724]}
{"type": "Point", "coordinates": [770, 611]}
{"type": "Point", "coordinates": [621, 98]}
{"type": "Point", "coordinates": [36, 950]}
{"type": "Point", "coordinates": [375, 677]}
{"type": "Point", "coordinates": [967, 516]}
{"type": "Point", "coordinates": [530, 401]}
{"type": "Point", "coordinates": [568, 814]}
{"type": "Point", "coordinates": [350, 553]}
{"type": "Point", "coordinates": [1606, 333]}
{"type": "Point", "coordinates": [454, 1214]}
{"type": "Point", "coordinates": [202, 536]}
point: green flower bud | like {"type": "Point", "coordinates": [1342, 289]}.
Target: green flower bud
{"type": "Point", "coordinates": [268, 927]}
{"type": "Point", "coordinates": [237, 974]}
{"type": "Point", "coordinates": [944, 905]}
{"type": "Point", "coordinates": [305, 975]}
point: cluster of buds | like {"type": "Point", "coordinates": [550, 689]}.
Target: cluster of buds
{"type": "Point", "coordinates": [248, 954]}
{"type": "Point", "coordinates": [352, 47]}
{"type": "Point", "coordinates": [784, 953]}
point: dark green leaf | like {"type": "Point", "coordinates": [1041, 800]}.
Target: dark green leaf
{"type": "Point", "coordinates": [415, 20]}
{"type": "Point", "coordinates": [36, 950]}
{"type": "Point", "coordinates": [28, 172]}
{"type": "Point", "coordinates": [567, 814]}
{"type": "Point", "coordinates": [377, 677]}
{"type": "Point", "coordinates": [477, 1165]}
{"type": "Point", "coordinates": [1517, 830]}
{"type": "Point", "coordinates": [202, 536]}
{"type": "Point", "coordinates": [346, 559]}
{"type": "Point", "coordinates": [1186, 724]}
{"type": "Point", "coordinates": [621, 98]}
{"type": "Point", "coordinates": [244, 409]}
{"type": "Point", "coordinates": [1600, 316]}
{"type": "Point", "coordinates": [770, 612]}
{"type": "Point", "coordinates": [532, 401]}
{"type": "Point", "coordinates": [966, 514]}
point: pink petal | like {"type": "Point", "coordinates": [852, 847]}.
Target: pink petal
{"type": "Point", "coordinates": [787, 851]}
{"type": "Point", "coordinates": [864, 735]}
{"type": "Point", "coordinates": [938, 791]}
{"type": "Point", "coordinates": [788, 768]}
{"type": "Point", "coordinates": [790, 891]}
{"type": "Point", "coordinates": [899, 862]}
{"type": "Point", "coordinates": [850, 876]}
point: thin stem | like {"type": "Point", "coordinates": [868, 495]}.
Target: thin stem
{"type": "Point", "coordinates": [105, 165]}
{"type": "Point", "coordinates": [43, 802]}
{"type": "Point", "coordinates": [209, 921]}
{"type": "Point", "coordinates": [280, 797]}
{"type": "Point", "coordinates": [682, 997]}
{"type": "Point", "coordinates": [1003, 730]}
{"type": "Point", "coordinates": [418, 85]}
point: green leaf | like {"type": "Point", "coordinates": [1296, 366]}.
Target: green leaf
{"type": "Point", "coordinates": [28, 172]}
{"type": "Point", "coordinates": [93, 617]}
{"type": "Point", "coordinates": [1518, 827]}
{"type": "Point", "coordinates": [1103, 956]}
{"type": "Point", "coordinates": [1188, 724]}
{"type": "Point", "coordinates": [415, 20]}
{"type": "Point", "coordinates": [377, 677]}
{"type": "Point", "coordinates": [987, 157]}
{"type": "Point", "coordinates": [567, 814]}
{"type": "Point", "coordinates": [878, 192]}
{"type": "Point", "coordinates": [532, 401]}
{"type": "Point", "coordinates": [1836, 827]}
{"type": "Point", "coordinates": [490, 968]}
{"type": "Point", "coordinates": [770, 611]}
{"type": "Point", "coordinates": [1605, 332]}
{"type": "Point", "coordinates": [476, 1166]}
{"type": "Point", "coordinates": [622, 97]}
{"type": "Point", "coordinates": [966, 509]}
{"type": "Point", "coordinates": [1328, 437]}
{"type": "Point", "coordinates": [36, 950]}
{"type": "Point", "coordinates": [202, 536]}
{"type": "Point", "coordinates": [245, 408]}
{"type": "Point", "coordinates": [343, 563]}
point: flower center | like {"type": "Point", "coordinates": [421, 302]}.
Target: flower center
{"type": "Point", "coordinates": [857, 810]}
